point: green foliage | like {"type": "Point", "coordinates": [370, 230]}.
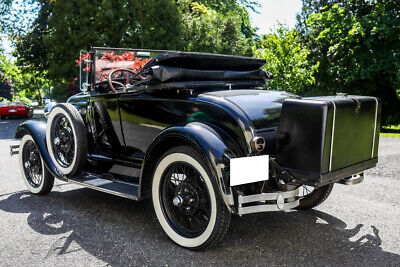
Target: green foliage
{"type": "Point", "coordinates": [357, 46]}
{"type": "Point", "coordinates": [64, 27]}
{"type": "Point", "coordinates": [28, 83]}
{"type": "Point", "coordinates": [287, 59]}
{"type": "Point", "coordinates": [206, 30]}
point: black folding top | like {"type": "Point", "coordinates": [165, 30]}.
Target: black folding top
{"type": "Point", "coordinates": [161, 73]}
{"type": "Point", "coordinates": [206, 61]}
{"type": "Point", "coordinates": [176, 69]}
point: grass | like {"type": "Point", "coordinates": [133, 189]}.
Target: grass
{"type": "Point", "coordinates": [390, 135]}
{"type": "Point", "coordinates": [390, 131]}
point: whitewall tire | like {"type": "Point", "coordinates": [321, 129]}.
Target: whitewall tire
{"type": "Point", "coordinates": [66, 139]}
{"type": "Point", "coordinates": [36, 177]}
{"type": "Point", "coordinates": [182, 203]}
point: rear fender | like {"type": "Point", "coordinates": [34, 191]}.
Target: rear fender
{"type": "Point", "coordinates": [210, 143]}
{"type": "Point", "coordinates": [37, 129]}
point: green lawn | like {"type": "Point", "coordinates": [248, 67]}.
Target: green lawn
{"type": "Point", "coordinates": [390, 135]}
{"type": "Point", "coordinates": [390, 131]}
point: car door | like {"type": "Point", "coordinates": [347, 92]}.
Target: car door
{"type": "Point", "coordinates": [142, 119]}
{"type": "Point", "coordinates": [106, 125]}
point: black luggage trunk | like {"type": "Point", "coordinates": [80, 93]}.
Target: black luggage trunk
{"type": "Point", "coordinates": [324, 139]}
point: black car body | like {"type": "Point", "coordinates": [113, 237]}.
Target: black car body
{"type": "Point", "coordinates": [211, 104]}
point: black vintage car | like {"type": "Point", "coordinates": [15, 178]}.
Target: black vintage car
{"type": "Point", "coordinates": [195, 133]}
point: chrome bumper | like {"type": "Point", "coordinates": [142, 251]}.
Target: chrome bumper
{"type": "Point", "coordinates": [14, 149]}
{"type": "Point", "coordinates": [281, 201]}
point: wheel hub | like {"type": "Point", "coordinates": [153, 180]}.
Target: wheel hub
{"type": "Point", "coordinates": [57, 141]}
{"type": "Point", "coordinates": [27, 164]}
{"type": "Point", "coordinates": [186, 198]}
{"type": "Point", "coordinates": [177, 201]}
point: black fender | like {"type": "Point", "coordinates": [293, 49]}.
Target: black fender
{"type": "Point", "coordinates": [216, 147]}
{"type": "Point", "coordinates": [37, 129]}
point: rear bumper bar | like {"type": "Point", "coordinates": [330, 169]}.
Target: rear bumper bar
{"type": "Point", "coordinates": [268, 202]}
{"type": "Point", "coordinates": [14, 150]}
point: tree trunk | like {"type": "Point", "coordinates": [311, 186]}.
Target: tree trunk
{"type": "Point", "coordinates": [40, 100]}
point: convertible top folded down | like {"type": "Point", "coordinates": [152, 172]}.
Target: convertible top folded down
{"type": "Point", "coordinates": [196, 70]}
{"type": "Point", "coordinates": [205, 61]}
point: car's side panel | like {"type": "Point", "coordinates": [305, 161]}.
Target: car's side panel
{"type": "Point", "coordinates": [145, 115]}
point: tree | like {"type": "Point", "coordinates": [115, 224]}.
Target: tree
{"type": "Point", "coordinates": [356, 44]}
{"type": "Point", "coordinates": [27, 82]}
{"type": "Point", "coordinates": [64, 27]}
{"type": "Point", "coordinates": [206, 30]}
{"type": "Point", "coordinates": [287, 60]}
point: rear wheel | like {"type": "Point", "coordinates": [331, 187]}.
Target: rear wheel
{"type": "Point", "coordinates": [66, 139]}
{"type": "Point", "coordinates": [311, 197]}
{"type": "Point", "coordinates": [34, 173]}
{"type": "Point", "coordinates": [186, 200]}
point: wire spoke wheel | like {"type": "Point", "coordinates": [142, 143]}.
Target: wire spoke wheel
{"type": "Point", "coordinates": [185, 199]}
{"type": "Point", "coordinates": [63, 140]}
{"type": "Point", "coordinates": [35, 174]}
{"type": "Point", "coordinates": [305, 190]}
{"type": "Point", "coordinates": [311, 196]}
{"type": "Point", "coordinates": [32, 164]}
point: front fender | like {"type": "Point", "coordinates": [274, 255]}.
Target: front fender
{"type": "Point", "coordinates": [37, 129]}
{"type": "Point", "coordinates": [216, 146]}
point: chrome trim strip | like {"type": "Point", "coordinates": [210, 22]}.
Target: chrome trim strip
{"type": "Point", "coordinates": [376, 118]}
{"type": "Point", "coordinates": [333, 134]}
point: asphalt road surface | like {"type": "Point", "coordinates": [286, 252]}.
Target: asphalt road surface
{"type": "Point", "coordinates": [358, 225]}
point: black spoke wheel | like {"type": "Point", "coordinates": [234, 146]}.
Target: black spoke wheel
{"type": "Point", "coordinates": [187, 201]}
{"type": "Point", "coordinates": [34, 173]}
{"type": "Point", "coordinates": [32, 164]}
{"type": "Point", "coordinates": [311, 197]}
{"type": "Point", "coordinates": [66, 139]}
{"type": "Point", "coordinates": [63, 143]}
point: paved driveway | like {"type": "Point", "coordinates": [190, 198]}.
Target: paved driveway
{"type": "Point", "coordinates": [357, 225]}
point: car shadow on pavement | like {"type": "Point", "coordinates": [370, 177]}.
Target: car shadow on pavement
{"type": "Point", "coordinates": [123, 232]}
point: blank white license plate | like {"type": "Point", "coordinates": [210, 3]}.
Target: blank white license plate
{"type": "Point", "coordinates": [249, 170]}
{"type": "Point", "coordinates": [12, 110]}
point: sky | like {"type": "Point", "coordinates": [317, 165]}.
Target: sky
{"type": "Point", "coordinates": [273, 12]}
{"type": "Point", "coordinates": [270, 14]}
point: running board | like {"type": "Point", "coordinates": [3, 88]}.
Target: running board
{"type": "Point", "coordinates": [115, 187]}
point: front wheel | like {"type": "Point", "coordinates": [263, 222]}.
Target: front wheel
{"type": "Point", "coordinates": [186, 200]}
{"type": "Point", "coordinates": [34, 173]}
{"type": "Point", "coordinates": [310, 197]}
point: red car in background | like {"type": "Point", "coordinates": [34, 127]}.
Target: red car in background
{"type": "Point", "coordinates": [18, 109]}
